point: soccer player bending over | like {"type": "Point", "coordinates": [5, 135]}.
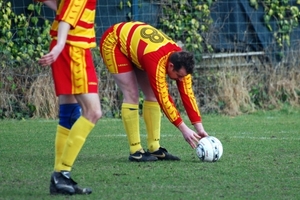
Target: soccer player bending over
{"type": "Point", "coordinates": [139, 55]}
{"type": "Point", "coordinates": [76, 85]}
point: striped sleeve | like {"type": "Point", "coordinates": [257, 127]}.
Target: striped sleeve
{"type": "Point", "coordinates": [80, 14]}
{"type": "Point", "coordinates": [157, 78]}
{"type": "Point", "coordinates": [188, 99]}
{"type": "Point", "coordinates": [72, 11]}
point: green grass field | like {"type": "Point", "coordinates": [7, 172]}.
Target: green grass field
{"type": "Point", "coordinates": [261, 160]}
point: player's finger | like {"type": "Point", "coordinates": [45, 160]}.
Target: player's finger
{"type": "Point", "coordinates": [193, 145]}
{"type": "Point", "coordinates": [190, 142]}
{"type": "Point", "coordinates": [197, 136]}
{"type": "Point", "coordinates": [45, 61]}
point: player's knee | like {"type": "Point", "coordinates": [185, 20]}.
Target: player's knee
{"type": "Point", "coordinates": [98, 114]}
{"type": "Point", "coordinates": [68, 114]}
{"type": "Point", "coordinates": [93, 115]}
{"type": "Point", "coordinates": [132, 98]}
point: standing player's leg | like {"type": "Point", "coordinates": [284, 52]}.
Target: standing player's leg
{"type": "Point", "coordinates": [69, 112]}
{"type": "Point", "coordinates": [80, 81]}
{"type": "Point", "coordinates": [91, 113]}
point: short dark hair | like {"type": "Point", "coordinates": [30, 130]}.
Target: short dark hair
{"type": "Point", "coordinates": [183, 59]}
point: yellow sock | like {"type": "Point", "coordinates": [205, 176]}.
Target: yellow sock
{"type": "Point", "coordinates": [130, 118]}
{"type": "Point", "coordinates": [152, 116]}
{"type": "Point", "coordinates": [77, 136]}
{"type": "Point", "coordinates": [62, 134]}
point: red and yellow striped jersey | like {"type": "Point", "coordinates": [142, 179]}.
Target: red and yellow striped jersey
{"type": "Point", "coordinates": [149, 49]}
{"type": "Point", "coordinates": [80, 14]}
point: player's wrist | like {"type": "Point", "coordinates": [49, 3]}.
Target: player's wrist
{"type": "Point", "coordinates": [182, 127]}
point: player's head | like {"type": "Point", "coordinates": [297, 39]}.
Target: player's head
{"type": "Point", "coordinates": [180, 64]}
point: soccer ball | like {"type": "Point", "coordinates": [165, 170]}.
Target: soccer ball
{"type": "Point", "coordinates": [209, 149]}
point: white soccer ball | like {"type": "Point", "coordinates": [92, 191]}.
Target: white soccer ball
{"type": "Point", "coordinates": [209, 149]}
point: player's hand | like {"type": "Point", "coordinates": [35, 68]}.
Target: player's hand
{"type": "Point", "coordinates": [189, 135]}
{"type": "Point", "coordinates": [62, 33]}
{"type": "Point", "coordinates": [192, 138]}
{"type": "Point", "coordinates": [49, 58]}
{"type": "Point", "coordinates": [200, 130]}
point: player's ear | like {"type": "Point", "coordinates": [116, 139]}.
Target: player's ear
{"type": "Point", "coordinates": [170, 66]}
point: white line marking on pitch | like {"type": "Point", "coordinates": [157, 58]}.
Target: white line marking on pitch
{"type": "Point", "coordinates": [265, 138]}
{"type": "Point", "coordinates": [124, 135]}
{"type": "Point", "coordinates": [236, 137]}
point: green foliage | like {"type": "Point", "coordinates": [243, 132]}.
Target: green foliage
{"type": "Point", "coordinates": [287, 18]}
{"type": "Point", "coordinates": [186, 20]}
{"type": "Point", "coordinates": [23, 37]}
{"type": "Point", "coordinates": [23, 40]}
{"type": "Point", "coordinates": [258, 95]}
{"type": "Point", "coordinates": [18, 112]}
{"type": "Point", "coordinates": [127, 4]}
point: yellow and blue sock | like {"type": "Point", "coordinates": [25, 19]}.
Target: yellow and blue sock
{"type": "Point", "coordinates": [68, 115]}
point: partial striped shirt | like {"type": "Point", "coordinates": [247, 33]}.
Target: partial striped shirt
{"type": "Point", "coordinates": [80, 14]}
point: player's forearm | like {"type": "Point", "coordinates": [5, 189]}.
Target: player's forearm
{"type": "Point", "coordinates": [188, 99]}
{"type": "Point", "coordinates": [182, 127]}
{"type": "Point", "coordinates": [199, 127]}
{"type": "Point", "coordinates": [50, 3]}
{"type": "Point", "coordinates": [62, 33]}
